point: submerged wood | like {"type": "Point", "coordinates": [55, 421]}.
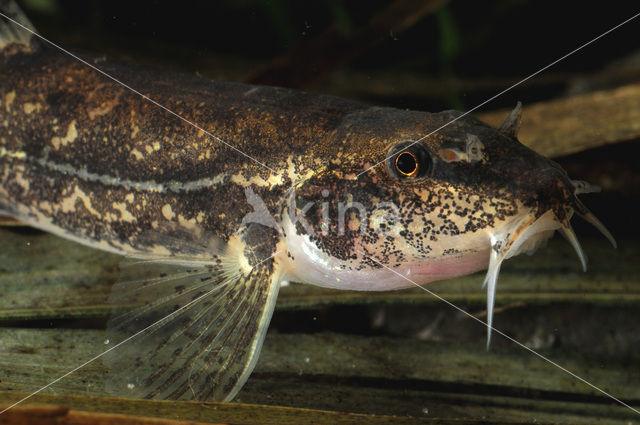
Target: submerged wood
{"type": "Point", "coordinates": [564, 126]}
{"type": "Point", "coordinates": [46, 277]}
{"type": "Point", "coordinates": [344, 373]}
{"type": "Point", "coordinates": [332, 371]}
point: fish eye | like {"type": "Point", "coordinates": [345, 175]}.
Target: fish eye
{"type": "Point", "coordinates": [407, 164]}
{"type": "Point", "coordinates": [409, 160]}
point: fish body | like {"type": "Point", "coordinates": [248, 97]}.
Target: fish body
{"type": "Point", "coordinates": [242, 187]}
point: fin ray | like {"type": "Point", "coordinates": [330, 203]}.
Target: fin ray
{"type": "Point", "coordinates": [10, 32]}
{"type": "Point", "coordinates": [511, 124]}
{"type": "Point", "coordinates": [206, 351]}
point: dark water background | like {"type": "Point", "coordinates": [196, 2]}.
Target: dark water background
{"type": "Point", "coordinates": [456, 58]}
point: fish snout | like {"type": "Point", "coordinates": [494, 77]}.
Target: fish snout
{"type": "Point", "coordinates": [544, 185]}
{"type": "Point", "coordinates": [557, 192]}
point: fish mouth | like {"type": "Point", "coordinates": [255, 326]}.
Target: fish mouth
{"type": "Point", "coordinates": [532, 229]}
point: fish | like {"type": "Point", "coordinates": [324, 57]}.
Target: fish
{"type": "Point", "coordinates": [216, 193]}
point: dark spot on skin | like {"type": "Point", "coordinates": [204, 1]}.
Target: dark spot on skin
{"type": "Point", "coordinates": [332, 137]}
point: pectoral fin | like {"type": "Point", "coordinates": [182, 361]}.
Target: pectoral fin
{"type": "Point", "coordinates": [198, 333]}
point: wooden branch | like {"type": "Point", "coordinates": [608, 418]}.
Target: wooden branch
{"type": "Point", "coordinates": [399, 84]}
{"type": "Point", "coordinates": [59, 415]}
{"type": "Point", "coordinates": [565, 126]}
{"type": "Point", "coordinates": [77, 410]}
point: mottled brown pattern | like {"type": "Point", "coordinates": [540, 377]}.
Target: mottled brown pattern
{"type": "Point", "coordinates": [454, 199]}
{"type": "Point", "coordinates": [101, 163]}
{"type": "Point", "coordinates": [123, 137]}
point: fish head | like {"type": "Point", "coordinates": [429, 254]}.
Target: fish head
{"type": "Point", "coordinates": [409, 199]}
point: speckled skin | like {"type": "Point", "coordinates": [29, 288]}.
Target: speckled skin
{"type": "Point", "coordinates": [243, 187]}
{"type": "Point", "coordinates": [116, 134]}
{"type": "Point", "coordinates": [85, 157]}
